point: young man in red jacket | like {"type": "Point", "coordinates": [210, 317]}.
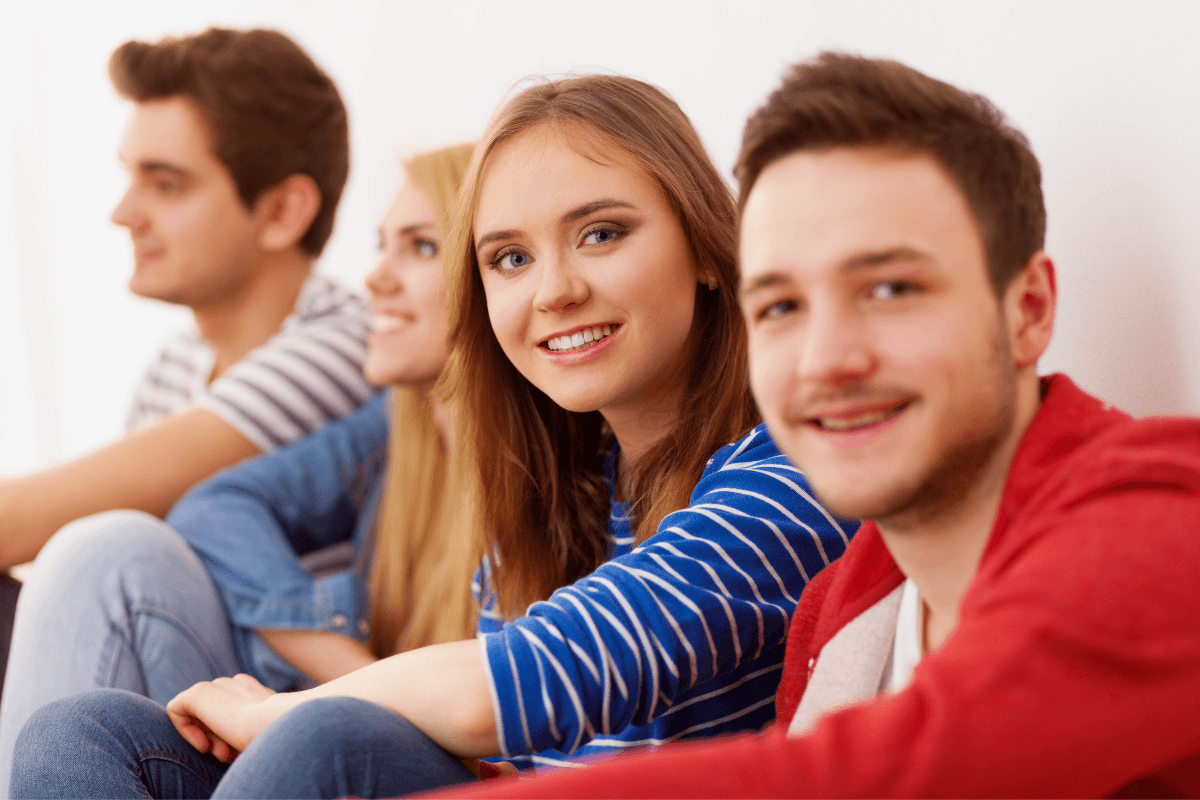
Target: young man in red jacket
{"type": "Point", "coordinates": [1020, 614]}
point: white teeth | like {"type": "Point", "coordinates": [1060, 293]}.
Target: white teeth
{"type": "Point", "coordinates": [862, 420]}
{"type": "Point", "coordinates": [579, 338]}
{"type": "Point", "coordinates": [387, 322]}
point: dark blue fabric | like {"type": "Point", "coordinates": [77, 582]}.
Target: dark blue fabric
{"type": "Point", "coordinates": [117, 744]}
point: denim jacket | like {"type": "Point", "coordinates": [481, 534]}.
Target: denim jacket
{"type": "Point", "coordinates": [252, 523]}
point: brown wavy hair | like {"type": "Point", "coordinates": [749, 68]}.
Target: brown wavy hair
{"type": "Point", "coordinates": [545, 506]}
{"type": "Point", "coordinates": [427, 541]}
{"type": "Point", "coordinates": [271, 112]}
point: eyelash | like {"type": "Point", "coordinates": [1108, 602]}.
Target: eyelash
{"type": "Point", "coordinates": [766, 312]}
{"type": "Point", "coordinates": [617, 231]}
{"type": "Point", "coordinates": [897, 288]}
{"type": "Point", "coordinates": [504, 253]}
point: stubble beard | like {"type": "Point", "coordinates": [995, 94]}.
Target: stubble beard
{"type": "Point", "coordinates": [941, 489]}
{"type": "Point", "coordinates": [944, 486]}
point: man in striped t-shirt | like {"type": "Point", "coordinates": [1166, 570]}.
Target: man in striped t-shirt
{"type": "Point", "coordinates": [309, 372]}
{"type": "Point", "coordinates": [237, 150]}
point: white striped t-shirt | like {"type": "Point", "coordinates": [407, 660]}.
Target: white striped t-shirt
{"type": "Point", "coordinates": [682, 636]}
{"type": "Point", "coordinates": [308, 373]}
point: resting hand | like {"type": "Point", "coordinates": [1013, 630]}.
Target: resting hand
{"type": "Point", "coordinates": [223, 716]}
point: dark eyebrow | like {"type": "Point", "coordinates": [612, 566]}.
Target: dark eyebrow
{"type": "Point", "coordinates": [596, 205]}
{"type": "Point", "coordinates": [573, 215]}
{"type": "Point", "coordinates": [495, 236]}
{"type": "Point", "coordinates": [766, 281]}
{"type": "Point", "coordinates": [416, 226]}
{"type": "Point", "coordinates": [881, 258]}
{"type": "Point", "coordinates": [162, 166]}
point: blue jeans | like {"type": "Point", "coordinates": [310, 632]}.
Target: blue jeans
{"type": "Point", "coordinates": [108, 743]}
{"type": "Point", "coordinates": [117, 599]}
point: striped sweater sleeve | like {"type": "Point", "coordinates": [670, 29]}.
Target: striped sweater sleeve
{"type": "Point", "coordinates": [712, 588]}
{"type": "Point", "coordinates": [307, 374]}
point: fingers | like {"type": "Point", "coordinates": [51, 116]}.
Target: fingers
{"type": "Point", "coordinates": [223, 752]}
{"type": "Point", "coordinates": [193, 734]}
{"type": "Point", "coordinates": [184, 712]}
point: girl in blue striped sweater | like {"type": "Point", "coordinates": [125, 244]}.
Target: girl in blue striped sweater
{"type": "Point", "coordinates": [647, 543]}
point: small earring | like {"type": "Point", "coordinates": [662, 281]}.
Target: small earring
{"type": "Point", "coordinates": [712, 282]}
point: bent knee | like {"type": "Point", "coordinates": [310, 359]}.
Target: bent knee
{"type": "Point", "coordinates": [66, 723]}
{"type": "Point", "coordinates": [104, 540]}
{"type": "Point", "coordinates": [341, 724]}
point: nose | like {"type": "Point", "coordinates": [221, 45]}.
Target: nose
{"type": "Point", "coordinates": [127, 214]}
{"type": "Point", "coordinates": [383, 279]}
{"type": "Point", "coordinates": [560, 286]}
{"type": "Point", "coordinates": [836, 347]}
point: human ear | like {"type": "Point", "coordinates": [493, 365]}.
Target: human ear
{"type": "Point", "coordinates": [285, 212]}
{"type": "Point", "coordinates": [1029, 303]}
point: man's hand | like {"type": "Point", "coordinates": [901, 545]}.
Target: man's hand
{"type": "Point", "coordinates": [224, 716]}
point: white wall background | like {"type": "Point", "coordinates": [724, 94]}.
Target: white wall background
{"type": "Point", "coordinates": [1109, 94]}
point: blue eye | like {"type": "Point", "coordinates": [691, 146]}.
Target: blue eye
{"type": "Point", "coordinates": [776, 310]}
{"type": "Point", "coordinates": [600, 237]}
{"type": "Point", "coordinates": [425, 248]}
{"type": "Point", "coordinates": [510, 261]}
{"type": "Point", "coordinates": [603, 235]}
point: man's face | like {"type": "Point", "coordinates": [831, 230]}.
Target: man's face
{"type": "Point", "coordinates": [194, 242]}
{"type": "Point", "coordinates": [879, 353]}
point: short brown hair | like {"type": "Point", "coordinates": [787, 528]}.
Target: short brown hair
{"type": "Point", "coordinates": [845, 100]}
{"type": "Point", "coordinates": [271, 111]}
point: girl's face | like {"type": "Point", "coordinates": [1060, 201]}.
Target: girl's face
{"type": "Point", "coordinates": [409, 344]}
{"type": "Point", "coordinates": [589, 278]}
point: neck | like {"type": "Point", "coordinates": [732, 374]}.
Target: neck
{"type": "Point", "coordinates": [940, 550]}
{"type": "Point", "coordinates": [637, 431]}
{"type": "Point", "coordinates": [235, 325]}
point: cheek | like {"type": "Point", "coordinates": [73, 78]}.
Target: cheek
{"type": "Point", "coordinates": [212, 226]}
{"type": "Point", "coordinates": [505, 313]}
{"type": "Point", "coordinates": [771, 369]}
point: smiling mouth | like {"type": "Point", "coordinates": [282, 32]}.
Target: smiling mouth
{"type": "Point", "coordinates": [856, 422]}
{"type": "Point", "coordinates": [389, 322]}
{"type": "Point", "coordinates": [579, 340]}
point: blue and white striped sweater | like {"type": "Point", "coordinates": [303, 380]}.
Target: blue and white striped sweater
{"type": "Point", "coordinates": [680, 637]}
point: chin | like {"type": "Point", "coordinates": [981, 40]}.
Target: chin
{"type": "Point", "coordinates": [580, 402]}
{"type": "Point", "coordinates": [850, 499]}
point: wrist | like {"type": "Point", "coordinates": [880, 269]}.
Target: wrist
{"type": "Point", "coordinates": [275, 706]}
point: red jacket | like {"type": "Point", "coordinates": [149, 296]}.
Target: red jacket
{"type": "Point", "coordinates": [1074, 669]}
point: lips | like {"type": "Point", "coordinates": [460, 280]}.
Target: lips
{"type": "Point", "coordinates": [580, 339]}
{"type": "Point", "coordinates": [385, 322]}
{"type": "Point", "coordinates": [857, 419]}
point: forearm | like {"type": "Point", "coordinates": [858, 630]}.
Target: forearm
{"type": "Point", "coordinates": [147, 470]}
{"type": "Point", "coordinates": [321, 655]}
{"type": "Point", "coordinates": [442, 689]}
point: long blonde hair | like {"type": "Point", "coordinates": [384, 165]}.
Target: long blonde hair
{"type": "Point", "coordinates": [427, 541]}
{"type": "Point", "coordinates": [545, 506]}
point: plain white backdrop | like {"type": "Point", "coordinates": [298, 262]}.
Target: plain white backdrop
{"type": "Point", "coordinates": [1108, 93]}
